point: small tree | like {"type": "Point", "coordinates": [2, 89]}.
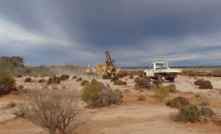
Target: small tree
{"type": "Point", "coordinates": [7, 82]}
{"type": "Point", "coordinates": [51, 109]}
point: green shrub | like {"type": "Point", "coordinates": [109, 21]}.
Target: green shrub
{"type": "Point", "coordinates": [208, 112]}
{"type": "Point", "coordinates": [172, 88]}
{"type": "Point", "coordinates": [28, 79]}
{"type": "Point", "coordinates": [54, 80]}
{"type": "Point", "coordinates": [11, 104]}
{"type": "Point", "coordinates": [203, 119]}
{"type": "Point", "coordinates": [74, 77]}
{"type": "Point", "coordinates": [203, 84]}
{"type": "Point", "coordinates": [7, 82]}
{"type": "Point", "coordinates": [85, 83]}
{"type": "Point", "coordinates": [141, 98]}
{"type": "Point", "coordinates": [142, 83]}
{"type": "Point", "coordinates": [98, 95]}
{"type": "Point", "coordinates": [178, 102]}
{"type": "Point", "coordinates": [188, 113]}
{"type": "Point", "coordinates": [64, 77]}
{"type": "Point", "coordinates": [120, 82]}
{"type": "Point", "coordinates": [204, 103]}
{"type": "Point", "coordinates": [197, 95]}
{"type": "Point", "coordinates": [41, 81]}
{"type": "Point", "coordinates": [114, 78]}
{"type": "Point", "coordinates": [105, 76]}
{"type": "Point", "coordinates": [161, 92]}
{"type": "Point", "coordinates": [20, 86]}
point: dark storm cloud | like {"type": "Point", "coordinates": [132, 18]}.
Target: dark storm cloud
{"type": "Point", "coordinates": [135, 32]}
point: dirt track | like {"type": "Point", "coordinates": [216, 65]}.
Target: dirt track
{"type": "Point", "coordinates": [131, 117]}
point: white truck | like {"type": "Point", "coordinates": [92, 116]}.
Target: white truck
{"type": "Point", "coordinates": [161, 70]}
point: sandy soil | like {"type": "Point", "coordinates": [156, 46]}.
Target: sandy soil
{"type": "Point", "coordinates": [131, 117]}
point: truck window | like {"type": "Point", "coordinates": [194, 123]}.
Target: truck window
{"type": "Point", "coordinates": [151, 66]}
{"type": "Point", "coordinates": [161, 66]}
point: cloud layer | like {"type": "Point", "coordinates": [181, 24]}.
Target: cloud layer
{"type": "Point", "coordinates": [136, 32]}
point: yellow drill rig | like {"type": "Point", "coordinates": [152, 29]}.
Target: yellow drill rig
{"type": "Point", "coordinates": [107, 67]}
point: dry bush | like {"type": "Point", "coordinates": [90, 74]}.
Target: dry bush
{"type": "Point", "coordinates": [157, 83]}
{"type": "Point", "coordinates": [54, 80]}
{"type": "Point", "coordinates": [141, 75]}
{"type": "Point", "coordinates": [41, 81]}
{"type": "Point", "coordinates": [18, 76]}
{"type": "Point", "coordinates": [142, 83]}
{"type": "Point", "coordinates": [98, 95]}
{"type": "Point", "coordinates": [204, 103]}
{"type": "Point", "coordinates": [208, 112]}
{"type": "Point", "coordinates": [7, 83]}
{"type": "Point", "coordinates": [28, 79]}
{"type": "Point", "coordinates": [114, 78]}
{"type": "Point", "coordinates": [105, 76]}
{"type": "Point", "coordinates": [79, 79]}
{"type": "Point", "coordinates": [64, 77]}
{"type": "Point", "coordinates": [50, 109]}
{"type": "Point", "coordinates": [85, 83]}
{"type": "Point", "coordinates": [131, 76]}
{"type": "Point", "coordinates": [122, 74]}
{"type": "Point", "coordinates": [172, 88]}
{"type": "Point", "coordinates": [203, 84]}
{"type": "Point", "coordinates": [141, 98]}
{"type": "Point", "coordinates": [74, 77]}
{"type": "Point", "coordinates": [11, 104]}
{"type": "Point", "coordinates": [178, 102]}
{"type": "Point", "coordinates": [188, 113]}
{"type": "Point", "coordinates": [120, 82]}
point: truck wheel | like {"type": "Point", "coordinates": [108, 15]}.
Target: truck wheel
{"type": "Point", "coordinates": [172, 80]}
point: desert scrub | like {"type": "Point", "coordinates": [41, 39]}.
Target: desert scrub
{"type": "Point", "coordinates": [203, 84]}
{"type": "Point", "coordinates": [7, 82]}
{"type": "Point", "coordinates": [74, 77]}
{"type": "Point", "coordinates": [28, 79]}
{"type": "Point", "coordinates": [64, 77]}
{"type": "Point", "coordinates": [141, 98]}
{"type": "Point", "coordinates": [204, 103]}
{"type": "Point", "coordinates": [131, 76]}
{"type": "Point", "coordinates": [120, 82]}
{"type": "Point", "coordinates": [85, 83]}
{"type": "Point", "coordinates": [41, 81]}
{"type": "Point", "coordinates": [11, 104]}
{"type": "Point", "coordinates": [172, 88]}
{"type": "Point", "coordinates": [126, 90]}
{"type": "Point", "coordinates": [161, 92]}
{"type": "Point", "coordinates": [122, 74]}
{"type": "Point", "coordinates": [140, 90]}
{"type": "Point", "coordinates": [178, 102]}
{"type": "Point", "coordinates": [18, 76]}
{"type": "Point", "coordinates": [98, 95]}
{"type": "Point", "coordinates": [79, 79]}
{"type": "Point", "coordinates": [105, 76]}
{"type": "Point", "coordinates": [206, 111]}
{"type": "Point", "coordinates": [197, 95]}
{"type": "Point", "coordinates": [54, 80]}
{"type": "Point", "coordinates": [142, 83]}
{"type": "Point", "coordinates": [18, 112]}
{"type": "Point", "coordinates": [188, 113]}
{"type": "Point", "coordinates": [114, 78]}
{"type": "Point", "coordinates": [20, 86]}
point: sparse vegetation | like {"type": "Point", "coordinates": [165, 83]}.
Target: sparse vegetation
{"type": "Point", "coordinates": [142, 83]}
{"type": "Point", "coordinates": [85, 83]}
{"type": "Point", "coordinates": [140, 90]}
{"type": "Point", "coordinates": [178, 102]}
{"type": "Point", "coordinates": [203, 84]}
{"type": "Point", "coordinates": [7, 83]}
{"type": "Point", "coordinates": [11, 104]}
{"type": "Point", "coordinates": [126, 90]}
{"type": "Point", "coordinates": [52, 110]}
{"type": "Point", "coordinates": [74, 77]}
{"type": "Point", "coordinates": [28, 79]}
{"type": "Point", "coordinates": [172, 88]}
{"type": "Point", "coordinates": [105, 76]}
{"type": "Point", "coordinates": [64, 77]}
{"type": "Point", "coordinates": [122, 74]}
{"type": "Point", "coordinates": [98, 95]}
{"type": "Point", "coordinates": [54, 80]}
{"type": "Point", "coordinates": [141, 98]}
{"type": "Point", "coordinates": [41, 81]}
{"type": "Point", "coordinates": [208, 112]}
{"type": "Point", "coordinates": [79, 79]}
{"type": "Point", "coordinates": [114, 78]}
{"type": "Point", "coordinates": [161, 92]}
{"type": "Point", "coordinates": [20, 86]}
{"type": "Point", "coordinates": [120, 82]}
{"type": "Point", "coordinates": [197, 95]}
{"type": "Point", "coordinates": [204, 103]}
{"type": "Point", "coordinates": [188, 113]}
{"type": "Point", "coordinates": [131, 76]}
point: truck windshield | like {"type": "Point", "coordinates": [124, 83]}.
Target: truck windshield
{"type": "Point", "coordinates": [161, 66]}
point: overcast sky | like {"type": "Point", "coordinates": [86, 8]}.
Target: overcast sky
{"type": "Point", "coordinates": [136, 32]}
